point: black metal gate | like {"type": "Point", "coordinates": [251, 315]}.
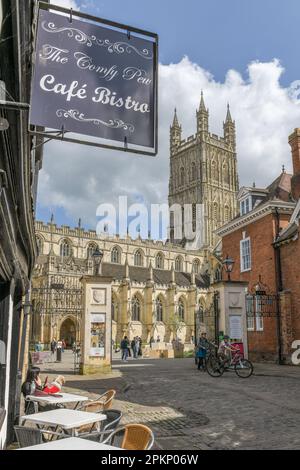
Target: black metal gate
{"type": "Point", "coordinates": [263, 320]}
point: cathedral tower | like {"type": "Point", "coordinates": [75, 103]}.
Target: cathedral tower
{"type": "Point", "coordinates": [203, 170]}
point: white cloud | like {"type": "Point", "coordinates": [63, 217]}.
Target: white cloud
{"type": "Point", "coordinates": [66, 4]}
{"type": "Point", "coordinates": [79, 178]}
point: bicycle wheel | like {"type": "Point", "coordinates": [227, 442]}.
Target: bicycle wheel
{"type": "Point", "coordinates": [214, 367]}
{"type": "Point", "coordinates": [243, 368]}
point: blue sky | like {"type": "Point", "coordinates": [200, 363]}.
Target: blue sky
{"type": "Point", "coordinates": [216, 34]}
{"type": "Point", "coordinates": [225, 47]}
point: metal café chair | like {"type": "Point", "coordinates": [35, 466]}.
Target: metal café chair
{"type": "Point", "coordinates": [28, 437]}
{"type": "Point", "coordinates": [113, 418]}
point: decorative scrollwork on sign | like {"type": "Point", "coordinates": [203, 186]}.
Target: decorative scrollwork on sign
{"type": "Point", "coordinates": [118, 47]}
{"type": "Point", "coordinates": [77, 116]}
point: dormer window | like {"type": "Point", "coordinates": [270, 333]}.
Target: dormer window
{"type": "Point", "coordinates": [246, 205]}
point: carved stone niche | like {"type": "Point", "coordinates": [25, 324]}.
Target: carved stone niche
{"type": "Point", "coordinates": [234, 299]}
{"type": "Point", "coordinates": [98, 296]}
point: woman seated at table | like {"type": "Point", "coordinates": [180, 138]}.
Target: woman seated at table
{"type": "Point", "coordinates": [33, 386]}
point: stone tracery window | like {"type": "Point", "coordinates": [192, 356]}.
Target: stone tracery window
{"type": "Point", "coordinates": [181, 310]}
{"type": "Point", "coordinates": [196, 266]}
{"type": "Point", "coordinates": [135, 309]}
{"type": "Point", "coordinates": [65, 248]}
{"type": "Point", "coordinates": [159, 261]}
{"type": "Point", "coordinates": [91, 249]}
{"type": "Point", "coordinates": [116, 255]}
{"type": "Point", "coordinates": [159, 310]}
{"type": "Point", "coordinates": [179, 264]}
{"type": "Point", "coordinates": [138, 258]}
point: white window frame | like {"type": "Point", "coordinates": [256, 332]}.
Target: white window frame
{"type": "Point", "coordinates": [243, 204]}
{"type": "Point", "coordinates": [242, 243]}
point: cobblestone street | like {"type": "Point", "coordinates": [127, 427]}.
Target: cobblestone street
{"type": "Point", "coordinates": [188, 409]}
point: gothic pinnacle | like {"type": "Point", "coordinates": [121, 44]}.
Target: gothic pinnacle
{"type": "Point", "coordinates": [228, 115]}
{"type": "Point", "coordinates": [202, 104]}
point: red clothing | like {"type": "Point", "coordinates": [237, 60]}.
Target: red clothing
{"type": "Point", "coordinates": [54, 387]}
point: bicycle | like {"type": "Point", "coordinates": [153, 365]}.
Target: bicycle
{"type": "Point", "coordinates": [216, 365]}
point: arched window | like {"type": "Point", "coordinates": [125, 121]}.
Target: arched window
{"type": "Point", "coordinates": [116, 255]}
{"type": "Point", "coordinates": [182, 176]}
{"type": "Point", "coordinates": [138, 258]}
{"type": "Point", "coordinates": [178, 264]}
{"type": "Point", "coordinates": [214, 171]}
{"type": "Point", "coordinates": [91, 249]}
{"type": "Point", "coordinates": [65, 248]}
{"type": "Point", "coordinates": [39, 243]}
{"type": "Point", "coordinates": [181, 310]}
{"type": "Point", "coordinates": [201, 313]}
{"type": "Point", "coordinates": [196, 266]}
{"type": "Point", "coordinates": [159, 261]}
{"type": "Point", "coordinates": [159, 310]}
{"type": "Point", "coordinates": [135, 309]}
{"type": "Point", "coordinates": [114, 309]}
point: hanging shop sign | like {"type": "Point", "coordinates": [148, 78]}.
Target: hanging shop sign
{"type": "Point", "coordinates": [95, 78]}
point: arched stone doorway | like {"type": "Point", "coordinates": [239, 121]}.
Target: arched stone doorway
{"type": "Point", "coordinates": [68, 332]}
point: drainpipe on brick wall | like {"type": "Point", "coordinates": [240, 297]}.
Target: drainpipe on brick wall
{"type": "Point", "coordinates": [279, 286]}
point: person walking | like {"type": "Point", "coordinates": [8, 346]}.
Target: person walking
{"type": "Point", "coordinates": [203, 346]}
{"type": "Point", "coordinates": [53, 345]}
{"type": "Point", "coordinates": [140, 350]}
{"type": "Point", "coordinates": [124, 348]}
{"type": "Point", "coordinates": [133, 347]}
{"type": "Point", "coordinates": [152, 340]}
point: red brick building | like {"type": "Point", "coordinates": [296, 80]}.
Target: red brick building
{"type": "Point", "coordinates": [264, 243]}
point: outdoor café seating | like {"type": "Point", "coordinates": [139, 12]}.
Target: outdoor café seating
{"type": "Point", "coordinates": [131, 437]}
{"type": "Point", "coordinates": [27, 437]}
{"type": "Point", "coordinates": [103, 402]}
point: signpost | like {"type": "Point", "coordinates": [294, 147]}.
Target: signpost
{"type": "Point", "coordinates": [95, 78]}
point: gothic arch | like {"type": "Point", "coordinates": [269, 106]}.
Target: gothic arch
{"type": "Point", "coordinates": [116, 254]}
{"type": "Point", "coordinates": [91, 248]}
{"type": "Point", "coordinates": [160, 308]}
{"type": "Point", "coordinates": [196, 266]}
{"type": "Point", "coordinates": [159, 260]}
{"type": "Point", "coordinates": [139, 257]}
{"type": "Point", "coordinates": [179, 263]}
{"type": "Point", "coordinates": [182, 309]}
{"type": "Point", "coordinates": [137, 307]}
{"type": "Point", "coordinates": [69, 330]}
{"type": "Point", "coordinates": [65, 247]}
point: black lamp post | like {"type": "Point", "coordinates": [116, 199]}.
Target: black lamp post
{"type": "Point", "coordinates": [97, 257]}
{"type": "Point", "coordinates": [228, 264]}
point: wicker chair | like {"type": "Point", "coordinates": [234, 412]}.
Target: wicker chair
{"type": "Point", "coordinates": [28, 437]}
{"type": "Point", "coordinates": [104, 402]}
{"type": "Point", "coordinates": [131, 437]}
{"type": "Point", "coordinates": [107, 399]}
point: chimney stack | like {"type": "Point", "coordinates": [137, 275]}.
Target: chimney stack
{"type": "Point", "coordinates": [294, 141]}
